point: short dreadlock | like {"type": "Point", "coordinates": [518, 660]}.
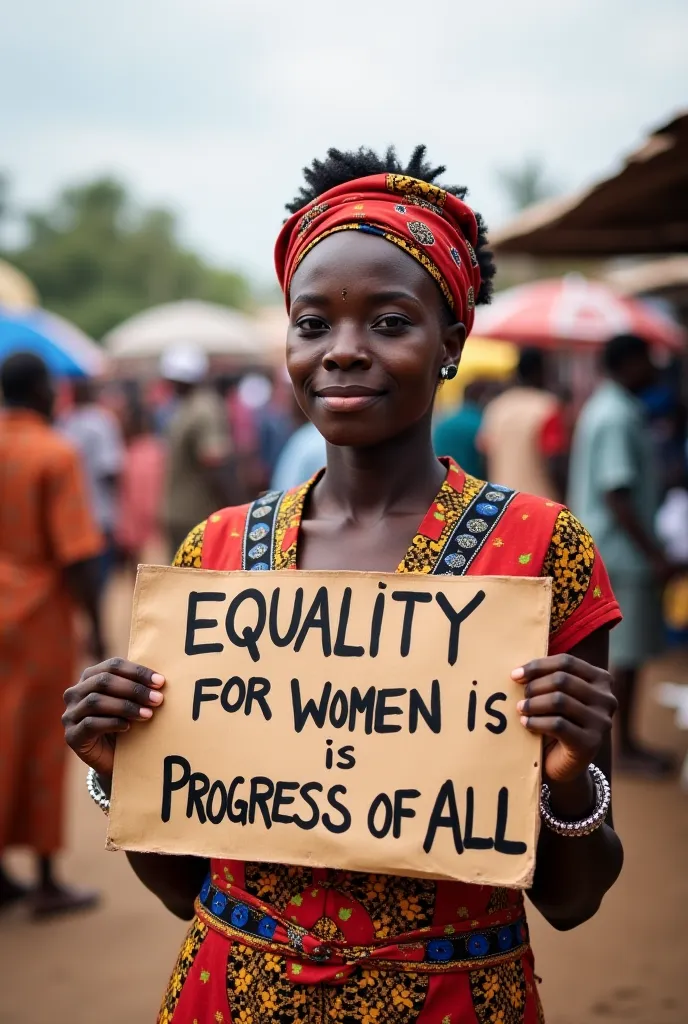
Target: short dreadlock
{"type": "Point", "coordinates": [340, 167]}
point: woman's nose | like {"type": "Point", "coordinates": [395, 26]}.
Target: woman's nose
{"type": "Point", "coordinates": [348, 347]}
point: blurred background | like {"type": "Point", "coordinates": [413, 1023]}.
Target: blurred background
{"type": "Point", "coordinates": [149, 149]}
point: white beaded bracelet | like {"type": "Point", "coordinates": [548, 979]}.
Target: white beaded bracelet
{"type": "Point", "coordinates": [96, 791]}
{"type": "Point", "coordinates": [574, 829]}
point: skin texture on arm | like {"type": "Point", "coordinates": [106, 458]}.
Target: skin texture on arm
{"type": "Point", "coordinates": [176, 881]}
{"type": "Point", "coordinates": [572, 875]}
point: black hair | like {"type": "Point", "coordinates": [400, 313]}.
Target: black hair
{"type": "Point", "coordinates": [621, 350]}
{"type": "Point", "coordinates": [21, 376]}
{"type": "Point", "coordinates": [340, 167]}
{"type": "Point", "coordinates": [531, 363]}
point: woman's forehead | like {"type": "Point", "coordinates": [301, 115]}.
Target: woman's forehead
{"type": "Point", "coordinates": [355, 258]}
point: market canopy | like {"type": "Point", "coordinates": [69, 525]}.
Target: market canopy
{"type": "Point", "coordinates": [65, 349]}
{"type": "Point", "coordinates": [16, 291]}
{"type": "Point", "coordinates": [217, 330]}
{"type": "Point", "coordinates": [572, 311]}
{"type": "Point", "coordinates": [642, 209]}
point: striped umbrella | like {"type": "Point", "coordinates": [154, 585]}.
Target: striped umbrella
{"type": "Point", "coordinates": [66, 350]}
{"type": "Point", "coordinates": [573, 311]}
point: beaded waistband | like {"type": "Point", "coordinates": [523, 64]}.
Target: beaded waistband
{"type": "Point", "coordinates": [464, 950]}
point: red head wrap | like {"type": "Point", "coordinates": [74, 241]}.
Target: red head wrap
{"type": "Point", "coordinates": [433, 226]}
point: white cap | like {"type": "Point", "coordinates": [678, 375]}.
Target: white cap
{"type": "Point", "coordinates": [184, 364]}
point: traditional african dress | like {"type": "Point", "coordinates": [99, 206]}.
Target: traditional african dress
{"type": "Point", "coordinates": [295, 945]}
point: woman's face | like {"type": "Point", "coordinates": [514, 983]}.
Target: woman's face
{"type": "Point", "coordinates": [367, 337]}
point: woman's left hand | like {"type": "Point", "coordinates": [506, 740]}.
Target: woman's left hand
{"type": "Point", "coordinates": [571, 704]}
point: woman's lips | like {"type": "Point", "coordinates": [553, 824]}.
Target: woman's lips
{"type": "Point", "coordinates": [351, 399]}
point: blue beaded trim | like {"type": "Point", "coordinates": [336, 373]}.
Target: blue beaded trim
{"type": "Point", "coordinates": [465, 946]}
{"type": "Point", "coordinates": [473, 529]}
{"type": "Point", "coordinates": [241, 916]}
{"type": "Point", "coordinates": [257, 553]}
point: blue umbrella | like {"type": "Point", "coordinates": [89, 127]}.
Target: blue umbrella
{"type": "Point", "coordinates": [66, 350]}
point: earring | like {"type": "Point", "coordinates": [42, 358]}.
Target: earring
{"type": "Point", "coordinates": [449, 372]}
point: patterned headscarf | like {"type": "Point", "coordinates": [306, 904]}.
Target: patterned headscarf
{"type": "Point", "coordinates": [433, 226]}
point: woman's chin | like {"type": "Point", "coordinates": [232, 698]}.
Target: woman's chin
{"type": "Point", "coordinates": [354, 435]}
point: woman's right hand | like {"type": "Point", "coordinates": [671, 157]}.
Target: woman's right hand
{"type": "Point", "coordinates": [105, 701]}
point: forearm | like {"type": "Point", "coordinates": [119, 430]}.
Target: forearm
{"type": "Point", "coordinates": [176, 881]}
{"type": "Point", "coordinates": [573, 874]}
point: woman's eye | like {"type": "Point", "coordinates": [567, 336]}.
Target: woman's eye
{"type": "Point", "coordinates": [392, 323]}
{"type": "Point", "coordinates": [311, 325]}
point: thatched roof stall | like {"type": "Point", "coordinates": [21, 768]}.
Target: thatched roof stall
{"type": "Point", "coordinates": [643, 209]}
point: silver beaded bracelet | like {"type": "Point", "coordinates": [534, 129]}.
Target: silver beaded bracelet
{"type": "Point", "coordinates": [96, 791]}
{"type": "Point", "coordinates": [574, 829]}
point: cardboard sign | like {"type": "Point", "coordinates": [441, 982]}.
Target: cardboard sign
{"type": "Point", "coordinates": [359, 721]}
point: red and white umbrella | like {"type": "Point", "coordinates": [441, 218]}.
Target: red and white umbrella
{"type": "Point", "coordinates": [573, 311]}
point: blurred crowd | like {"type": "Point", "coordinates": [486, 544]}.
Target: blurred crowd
{"type": "Point", "coordinates": [96, 477]}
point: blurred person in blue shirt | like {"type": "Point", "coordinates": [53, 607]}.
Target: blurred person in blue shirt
{"type": "Point", "coordinates": [300, 459]}
{"type": "Point", "coordinates": [614, 488]}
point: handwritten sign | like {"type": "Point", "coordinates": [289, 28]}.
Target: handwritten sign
{"type": "Point", "coordinates": [359, 721]}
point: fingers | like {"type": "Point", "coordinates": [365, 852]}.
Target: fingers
{"type": "Point", "coordinates": [96, 705]}
{"type": "Point", "coordinates": [139, 685]}
{"type": "Point", "coordinates": [88, 729]}
{"type": "Point", "coordinates": [565, 663]}
{"type": "Point", "coordinates": [558, 704]}
{"type": "Point", "coordinates": [116, 686]}
{"type": "Point", "coordinates": [563, 685]}
{"type": "Point", "coordinates": [126, 669]}
{"type": "Point", "coordinates": [559, 728]}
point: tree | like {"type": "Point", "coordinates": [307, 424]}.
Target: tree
{"type": "Point", "coordinates": [525, 184]}
{"type": "Point", "coordinates": [97, 258]}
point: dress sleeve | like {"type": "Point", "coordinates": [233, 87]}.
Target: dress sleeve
{"type": "Point", "coordinates": [191, 552]}
{"type": "Point", "coordinates": [582, 597]}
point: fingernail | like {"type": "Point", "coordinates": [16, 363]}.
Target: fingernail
{"type": "Point", "coordinates": [155, 698]}
{"type": "Point", "coordinates": [520, 706]}
{"type": "Point", "coordinates": [145, 713]}
{"type": "Point", "coordinates": [157, 679]}
{"type": "Point", "coordinates": [518, 673]}
{"type": "Point", "coordinates": [524, 721]}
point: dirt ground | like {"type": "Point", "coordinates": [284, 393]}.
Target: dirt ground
{"type": "Point", "coordinates": [628, 964]}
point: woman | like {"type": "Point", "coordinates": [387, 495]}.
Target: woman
{"type": "Point", "coordinates": [381, 277]}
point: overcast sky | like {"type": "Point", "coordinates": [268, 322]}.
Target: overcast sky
{"type": "Point", "coordinates": [214, 106]}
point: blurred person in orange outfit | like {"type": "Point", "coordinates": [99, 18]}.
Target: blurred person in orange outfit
{"type": "Point", "coordinates": [49, 549]}
{"type": "Point", "coordinates": [523, 433]}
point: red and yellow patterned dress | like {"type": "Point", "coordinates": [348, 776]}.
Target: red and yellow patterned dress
{"type": "Point", "coordinates": [295, 945]}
